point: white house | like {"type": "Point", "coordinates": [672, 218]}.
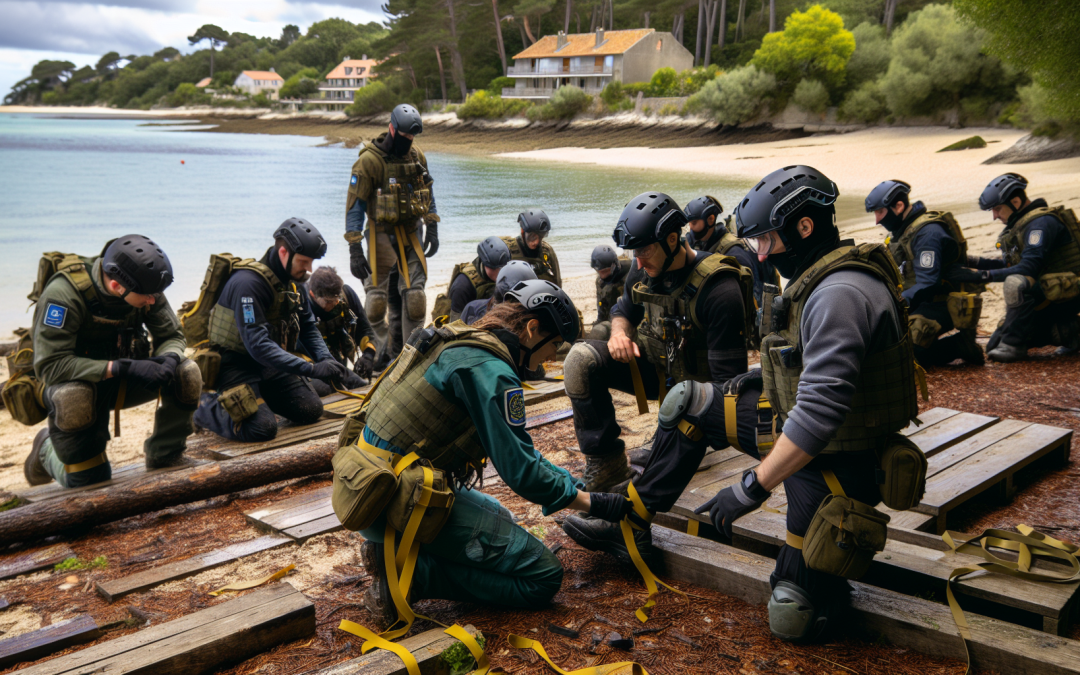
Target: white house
{"type": "Point", "coordinates": [345, 80]}
{"type": "Point", "coordinates": [256, 81]}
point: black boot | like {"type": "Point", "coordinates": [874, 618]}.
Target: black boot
{"type": "Point", "coordinates": [33, 469]}
{"type": "Point", "coordinates": [601, 535]}
{"type": "Point", "coordinates": [608, 472]}
{"type": "Point", "coordinates": [377, 598]}
{"type": "Point", "coordinates": [970, 350]}
{"type": "Point", "coordinates": [1007, 353]}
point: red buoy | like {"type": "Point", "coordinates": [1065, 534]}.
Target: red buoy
{"type": "Point", "coordinates": [181, 161]}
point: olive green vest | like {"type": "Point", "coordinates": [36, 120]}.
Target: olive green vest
{"type": "Point", "coordinates": [608, 291]}
{"type": "Point", "coordinates": [405, 410]}
{"type": "Point", "coordinates": [543, 264]}
{"type": "Point", "coordinates": [722, 245]}
{"type": "Point", "coordinates": [402, 195]}
{"type": "Point", "coordinates": [1064, 258]}
{"type": "Point", "coordinates": [335, 330]}
{"type": "Point", "coordinates": [484, 286]}
{"type": "Point", "coordinates": [671, 336]}
{"type": "Point", "coordinates": [885, 399]}
{"type": "Point", "coordinates": [282, 317]}
{"type": "Point", "coordinates": [903, 252]}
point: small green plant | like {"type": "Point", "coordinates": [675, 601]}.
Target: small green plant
{"type": "Point", "coordinates": [669, 109]}
{"type": "Point", "coordinates": [73, 563]}
{"type": "Point", "coordinates": [811, 96]}
{"type": "Point", "coordinates": [485, 105]}
{"type": "Point", "coordinates": [459, 659]}
{"type": "Point", "coordinates": [538, 531]}
{"type": "Point", "coordinates": [646, 110]}
{"type": "Point", "coordinates": [967, 144]}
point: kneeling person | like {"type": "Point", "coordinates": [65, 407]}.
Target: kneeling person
{"type": "Point", "coordinates": [611, 273]}
{"type": "Point", "coordinates": [344, 327]}
{"type": "Point", "coordinates": [511, 275]}
{"type": "Point", "coordinates": [531, 247]}
{"type": "Point", "coordinates": [473, 281]}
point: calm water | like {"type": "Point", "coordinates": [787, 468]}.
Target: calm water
{"type": "Point", "coordinates": [70, 185]}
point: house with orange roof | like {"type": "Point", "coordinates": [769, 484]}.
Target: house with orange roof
{"type": "Point", "coordinates": [259, 81]}
{"type": "Point", "coordinates": [348, 77]}
{"type": "Point", "coordinates": [592, 60]}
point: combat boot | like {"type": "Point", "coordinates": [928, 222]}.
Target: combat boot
{"type": "Point", "coordinates": [601, 535]}
{"type": "Point", "coordinates": [1007, 353]}
{"type": "Point", "coordinates": [33, 469]}
{"type": "Point", "coordinates": [609, 472]}
{"type": "Point", "coordinates": [377, 598]}
{"type": "Point", "coordinates": [970, 350]}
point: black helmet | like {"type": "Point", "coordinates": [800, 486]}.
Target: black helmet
{"type": "Point", "coordinates": [534, 220]}
{"type": "Point", "coordinates": [406, 118]}
{"type": "Point", "coordinates": [886, 194]}
{"type": "Point", "coordinates": [538, 295]}
{"type": "Point", "coordinates": [783, 192]}
{"type": "Point", "coordinates": [513, 273]}
{"type": "Point", "coordinates": [703, 207]}
{"type": "Point", "coordinates": [493, 253]}
{"type": "Point", "coordinates": [137, 264]}
{"type": "Point", "coordinates": [1001, 190]}
{"type": "Point", "coordinates": [301, 237]}
{"type": "Point", "coordinates": [648, 219]}
{"type": "Point", "coordinates": [604, 257]}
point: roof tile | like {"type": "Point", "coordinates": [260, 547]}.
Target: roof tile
{"type": "Point", "coordinates": [584, 44]}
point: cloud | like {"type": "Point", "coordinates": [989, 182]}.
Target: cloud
{"type": "Point", "coordinates": [154, 5]}
{"type": "Point", "coordinates": [370, 6]}
{"type": "Point", "coordinates": [81, 29]}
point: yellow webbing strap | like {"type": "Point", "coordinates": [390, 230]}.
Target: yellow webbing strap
{"type": "Point", "coordinates": [371, 255]}
{"type": "Point", "coordinates": [418, 248]}
{"type": "Point", "coordinates": [692, 527]}
{"type": "Point", "coordinates": [765, 442]}
{"type": "Point", "coordinates": [518, 642]}
{"type": "Point", "coordinates": [731, 421]}
{"type": "Point", "coordinates": [639, 387]}
{"type": "Point", "coordinates": [691, 431]}
{"type": "Point", "coordinates": [483, 666]}
{"type": "Point", "coordinates": [403, 264]}
{"type": "Point", "coordinates": [96, 460]}
{"type": "Point", "coordinates": [920, 380]}
{"type": "Point", "coordinates": [650, 579]}
{"type": "Point", "coordinates": [352, 394]}
{"type": "Point", "coordinates": [833, 483]}
{"type": "Point", "coordinates": [794, 541]}
{"type": "Point", "coordinates": [119, 404]}
{"type": "Point", "coordinates": [526, 385]}
{"type": "Point", "coordinates": [377, 642]}
{"type": "Point", "coordinates": [364, 342]}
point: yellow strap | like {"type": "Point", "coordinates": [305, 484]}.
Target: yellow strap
{"type": "Point", "coordinates": [650, 579]}
{"type": "Point", "coordinates": [411, 528]}
{"type": "Point", "coordinates": [518, 642]}
{"type": "Point", "coordinates": [403, 264]}
{"type": "Point", "coordinates": [418, 248]}
{"type": "Point", "coordinates": [364, 342]}
{"type": "Point", "coordinates": [662, 380]}
{"type": "Point", "coordinates": [378, 452]}
{"type": "Point", "coordinates": [88, 464]}
{"type": "Point", "coordinates": [639, 387]}
{"type": "Point", "coordinates": [526, 385]}
{"type": "Point", "coordinates": [794, 541]}
{"type": "Point", "coordinates": [244, 585]}
{"type": "Point", "coordinates": [351, 394]}
{"type": "Point", "coordinates": [119, 404]}
{"type": "Point", "coordinates": [731, 421]}
{"type": "Point", "coordinates": [691, 431]}
{"type": "Point", "coordinates": [833, 483]}
{"type": "Point", "coordinates": [483, 666]}
{"type": "Point", "coordinates": [377, 642]}
{"type": "Point", "coordinates": [920, 379]}
{"type": "Point", "coordinates": [639, 506]}
{"type": "Point", "coordinates": [692, 527]}
{"type": "Point", "coordinates": [371, 254]}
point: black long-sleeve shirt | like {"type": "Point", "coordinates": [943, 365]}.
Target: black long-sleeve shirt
{"type": "Point", "coordinates": [1042, 236]}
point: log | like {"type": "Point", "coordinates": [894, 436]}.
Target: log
{"type": "Point", "coordinates": [426, 648]}
{"type": "Point", "coordinates": [48, 640]}
{"type": "Point", "coordinates": [160, 491]}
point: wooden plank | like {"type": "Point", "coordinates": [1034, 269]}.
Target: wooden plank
{"type": "Point", "coordinates": [961, 482]}
{"type": "Point", "coordinates": [548, 418]}
{"type": "Point", "coordinates": [314, 528]}
{"type": "Point", "coordinates": [935, 438]}
{"type": "Point", "coordinates": [425, 648]}
{"type": "Point", "coordinates": [876, 613]}
{"type": "Point", "coordinates": [311, 497]}
{"type": "Point", "coordinates": [48, 640]}
{"type": "Point", "coordinates": [290, 519]}
{"type": "Point", "coordinates": [977, 443]}
{"type": "Point", "coordinates": [928, 418]}
{"type": "Point", "coordinates": [181, 569]}
{"type": "Point", "coordinates": [34, 561]}
{"type": "Point", "coordinates": [198, 643]}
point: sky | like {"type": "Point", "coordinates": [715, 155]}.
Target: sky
{"type": "Point", "coordinates": [81, 32]}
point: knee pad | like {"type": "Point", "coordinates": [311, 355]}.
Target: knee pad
{"type": "Point", "coordinates": [923, 330]}
{"type": "Point", "coordinates": [580, 364]}
{"type": "Point", "coordinates": [601, 331]}
{"type": "Point", "coordinates": [686, 398]}
{"type": "Point", "coordinates": [415, 304]}
{"type": "Point", "coordinates": [187, 383]}
{"type": "Point", "coordinates": [73, 405]}
{"type": "Point", "coordinates": [1014, 288]}
{"type": "Point", "coordinates": [375, 306]}
{"type": "Point", "coordinates": [792, 616]}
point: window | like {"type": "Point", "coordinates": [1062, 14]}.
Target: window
{"type": "Point", "coordinates": [659, 45]}
{"type": "Point", "coordinates": [348, 70]}
{"type": "Point", "coordinates": [609, 62]}
{"type": "Point", "coordinates": [360, 71]}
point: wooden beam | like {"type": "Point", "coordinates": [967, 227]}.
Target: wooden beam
{"type": "Point", "coordinates": [427, 647]}
{"type": "Point", "coordinates": [48, 640]}
{"type": "Point", "coordinates": [35, 561]}
{"type": "Point", "coordinates": [181, 569]}
{"type": "Point", "coordinates": [198, 643]}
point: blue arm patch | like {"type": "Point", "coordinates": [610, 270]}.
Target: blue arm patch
{"type": "Point", "coordinates": [249, 313]}
{"type": "Point", "coordinates": [514, 404]}
{"type": "Point", "coordinates": [352, 181]}
{"type": "Point", "coordinates": [55, 315]}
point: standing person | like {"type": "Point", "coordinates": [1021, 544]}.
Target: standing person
{"type": "Point", "coordinates": [93, 356]}
{"type": "Point", "coordinates": [687, 320]}
{"type": "Point", "coordinates": [513, 273]}
{"type": "Point", "coordinates": [531, 246]}
{"type": "Point", "coordinates": [344, 327]}
{"type": "Point", "coordinates": [474, 280]}
{"type": "Point", "coordinates": [1040, 263]}
{"type": "Point", "coordinates": [260, 319]}
{"type": "Point", "coordinates": [708, 233]}
{"type": "Point", "coordinates": [390, 190]}
{"type": "Point", "coordinates": [928, 246]}
{"type": "Point", "coordinates": [611, 272]}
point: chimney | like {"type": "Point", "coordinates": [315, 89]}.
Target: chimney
{"type": "Point", "coordinates": [364, 57]}
{"type": "Point", "coordinates": [599, 36]}
{"type": "Point", "coordinates": [561, 42]}
{"type": "Point", "coordinates": [345, 59]}
{"type": "Point", "coordinates": [272, 69]}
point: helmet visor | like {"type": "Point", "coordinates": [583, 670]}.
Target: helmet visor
{"type": "Point", "coordinates": [792, 202]}
{"type": "Point", "coordinates": [762, 245]}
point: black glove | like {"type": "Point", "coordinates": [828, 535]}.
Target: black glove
{"type": "Point", "coordinates": [152, 373]}
{"type": "Point", "coordinates": [358, 262]}
{"type": "Point", "coordinates": [962, 275]}
{"type": "Point", "coordinates": [609, 506]}
{"type": "Point", "coordinates": [329, 371]}
{"type": "Point", "coordinates": [365, 364]}
{"type": "Point", "coordinates": [431, 239]}
{"type": "Point", "coordinates": [734, 502]}
{"type": "Point", "coordinates": [740, 383]}
{"type": "Point", "coordinates": [172, 360]}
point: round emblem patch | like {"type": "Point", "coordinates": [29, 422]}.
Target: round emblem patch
{"type": "Point", "coordinates": [514, 403]}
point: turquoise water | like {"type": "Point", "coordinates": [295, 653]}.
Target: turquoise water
{"type": "Point", "coordinates": [72, 184]}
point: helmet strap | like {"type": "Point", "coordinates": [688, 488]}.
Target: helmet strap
{"type": "Point", "coordinates": [669, 253]}
{"type": "Point", "coordinates": [527, 353]}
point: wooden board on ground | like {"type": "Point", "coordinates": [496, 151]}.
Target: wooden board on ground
{"type": "Point", "coordinates": [181, 569]}
{"type": "Point", "coordinates": [426, 648]}
{"type": "Point", "coordinates": [48, 640]}
{"type": "Point", "coordinates": [299, 518]}
{"type": "Point", "coordinates": [35, 561]}
{"type": "Point", "coordinates": [123, 474]}
{"type": "Point", "coordinates": [877, 613]}
{"type": "Point", "coordinates": [198, 643]}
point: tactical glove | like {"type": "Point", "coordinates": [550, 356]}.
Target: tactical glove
{"type": "Point", "coordinates": [431, 239]}
{"type": "Point", "coordinates": [734, 502]}
{"type": "Point", "coordinates": [608, 506]}
{"type": "Point", "coordinates": [149, 373]}
{"type": "Point", "coordinates": [358, 262]}
{"type": "Point", "coordinates": [962, 275]}
{"type": "Point", "coordinates": [329, 371]}
{"type": "Point", "coordinates": [740, 383]}
{"type": "Point", "coordinates": [365, 364]}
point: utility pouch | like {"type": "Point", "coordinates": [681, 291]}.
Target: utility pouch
{"type": "Point", "coordinates": [923, 330]}
{"type": "Point", "coordinates": [442, 306]}
{"type": "Point", "coordinates": [902, 473]}
{"type": "Point", "coordinates": [352, 428]}
{"type": "Point", "coordinates": [209, 363]}
{"type": "Point", "coordinates": [363, 485]}
{"type": "Point", "coordinates": [964, 309]}
{"type": "Point", "coordinates": [22, 398]}
{"type": "Point", "coordinates": [411, 493]}
{"type": "Point", "coordinates": [843, 537]}
{"type": "Point", "coordinates": [386, 204]}
{"type": "Point", "coordinates": [780, 371]}
{"type": "Point", "coordinates": [1060, 286]}
{"type": "Point", "coordinates": [239, 402]}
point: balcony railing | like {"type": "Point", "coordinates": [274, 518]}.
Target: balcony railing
{"type": "Point", "coordinates": [532, 71]}
{"type": "Point", "coordinates": [538, 92]}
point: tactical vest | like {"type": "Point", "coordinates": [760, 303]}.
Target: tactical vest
{"type": "Point", "coordinates": [282, 317]}
{"type": "Point", "coordinates": [543, 264]}
{"type": "Point", "coordinates": [484, 286]}
{"type": "Point", "coordinates": [337, 328]}
{"type": "Point", "coordinates": [885, 399]}
{"type": "Point", "coordinates": [406, 410]}
{"type": "Point", "coordinates": [1064, 258]}
{"type": "Point", "coordinates": [608, 291]}
{"type": "Point", "coordinates": [903, 252]}
{"type": "Point", "coordinates": [722, 245]}
{"type": "Point", "coordinates": [403, 193]}
{"type": "Point", "coordinates": [671, 335]}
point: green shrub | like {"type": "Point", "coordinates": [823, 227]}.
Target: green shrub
{"type": "Point", "coordinates": [564, 104]}
{"type": "Point", "coordinates": [664, 82]}
{"type": "Point", "coordinates": [375, 98]}
{"type": "Point", "coordinates": [293, 87]}
{"type": "Point", "coordinates": [737, 96]}
{"type": "Point", "coordinates": [457, 657]}
{"type": "Point", "coordinates": [972, 143]}
{"type": "Point", "coordinates": [50, 98]}
{"type": "Point", "coordinates": [670, 109]}
{"type": "Point", "coordinates": [484, 105]}
{"type": "Point", "coordinates": [187, 94]}
{"type": "Point", "coordinates": [871, 56]}
{"type": "Point", "coordinates": [260, 100]}
{"type": "Point", "coordinates": [865, 104]}
{"type": "Point", "coordinates": [811, 96]}
{"type": "Point", "coordinates": [497, 84]}
{"type": "Point", "coordinates": [613, 94]}
{"type": "Point", "coordinates": [813, 44]}
{"type": "Point", "coordinates": [691, 81]}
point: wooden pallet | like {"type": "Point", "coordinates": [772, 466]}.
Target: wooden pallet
{"type": "Point", "coordinates": [198, 643]}
{"type": "Point", "coordinates": [35, 561]}
{"type": "Point", "coordinates": [300, 518]}
{"type": "Point", "coordinates": [426, 648]}
{"type": "Point", "coordinates": [48, 640]}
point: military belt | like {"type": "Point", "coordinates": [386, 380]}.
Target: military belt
{"type": "Point", "coordinates": [91, 463]}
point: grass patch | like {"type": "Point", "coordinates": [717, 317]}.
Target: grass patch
{"type": "Point", "coordinates": [459, 659]}
{"type": "Point", "coordinates": [972, 143]}
{"type": "Point", "coordinates": [538, 531]}
{"type": "Point", "coordinates": [99, 562]}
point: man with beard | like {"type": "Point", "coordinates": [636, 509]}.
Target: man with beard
{"type": "Point", "coordinates": [708, 233]}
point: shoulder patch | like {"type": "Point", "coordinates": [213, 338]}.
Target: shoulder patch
{"type": "Point", "coordinates": [514, 406]}
{"type": "Point", "coordinates": [353, 180]}
{"type": "Point", "coordinates": [926, 259]}
{"type": "Point", "coordinates": [249, 312]}
{"type": "Point", "coordinates": [1035, 237]}
{"type": "Point", "coordinates": [54, 315]}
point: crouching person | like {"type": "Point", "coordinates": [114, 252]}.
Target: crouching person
{"type": "Point", "coordinates": [452, 401]}
{"type": "Point", "coordinates": [92, 354]}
